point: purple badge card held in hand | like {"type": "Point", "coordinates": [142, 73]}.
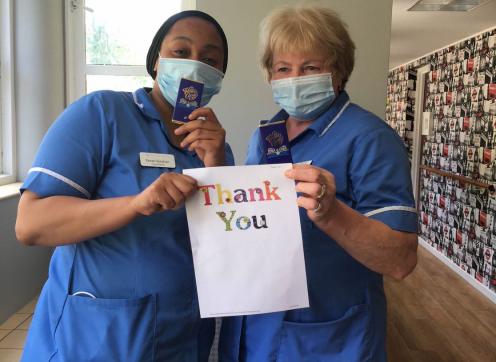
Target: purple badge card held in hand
{"type": "Point", "coordinates": [275, 142]}
{"type": "Point", "coordinates": [188, 99]}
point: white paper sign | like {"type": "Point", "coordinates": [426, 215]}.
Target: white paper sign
{"type": "Point", "coordinates": [246, 240]}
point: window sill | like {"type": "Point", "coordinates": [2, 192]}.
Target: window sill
{"type": "Point", "coordinates": [10, 190]}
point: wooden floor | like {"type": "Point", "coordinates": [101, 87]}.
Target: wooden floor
{"type": "Point", "coordinates": [434, 315]}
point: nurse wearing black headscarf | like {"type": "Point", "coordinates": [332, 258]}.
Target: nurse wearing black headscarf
{"type": "Point", "coordinates": [107, 191]}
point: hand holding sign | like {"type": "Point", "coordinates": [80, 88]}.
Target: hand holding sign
{"type": "Point", "coordinates": [318, 190]}
{"type": "Point", "coordinates": [167, 192]}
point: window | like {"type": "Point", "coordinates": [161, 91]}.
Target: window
{"type": "Point", "coordinates": [7, 129]}
{"type": "Point", "coordinates": [107, 42]}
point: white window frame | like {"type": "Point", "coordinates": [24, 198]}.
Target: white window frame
{"type": "Point", "coordinates": [422, 73]}
{"type": "Point", "coordinates": [8, 167]}
{"type": "Point", "coordinates": [75, 52]}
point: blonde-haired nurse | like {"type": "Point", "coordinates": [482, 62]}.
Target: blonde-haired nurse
{"type": "Point", "coordinates": [358, 214]}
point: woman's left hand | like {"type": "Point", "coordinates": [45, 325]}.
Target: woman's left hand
{"type": "Point", "coordinates": [205, 136]}
{"type": "Point", "coordinates": [318, 191]}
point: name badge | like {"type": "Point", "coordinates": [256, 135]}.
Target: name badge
{"type": "Point", "coordinates": [157, 160]}
{"type": "Point", "coordinates": [275, 142]}
{"type": "Point", "coordinates": [188, 99]}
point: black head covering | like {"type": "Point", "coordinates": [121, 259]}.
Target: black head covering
{"type": "Point", "coordinates": [152, 55]}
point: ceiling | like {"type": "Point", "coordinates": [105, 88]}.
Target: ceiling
{"type": "Point", "coordinates": [414, 34]}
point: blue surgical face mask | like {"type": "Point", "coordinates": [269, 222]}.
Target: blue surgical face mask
{"type": "Point", "coordinates": [306, 97]}
{"type": "Point", "coordinates": [171, 70]}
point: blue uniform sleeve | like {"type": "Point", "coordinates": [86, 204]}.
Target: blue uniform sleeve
{"type": "Point", "coordinates": [381, 182]}
{"type": "Point", "coordinates": [254, 155]}
{"type": "Point", "coordinates": [229, 156]}
{"type": "Point", "coordinates": [72, 156]}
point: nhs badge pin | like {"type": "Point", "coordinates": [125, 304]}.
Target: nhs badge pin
{"type": "Point", "coordinates": [275, 142]}
{"type": "Point", "coordinates": [188, 99]}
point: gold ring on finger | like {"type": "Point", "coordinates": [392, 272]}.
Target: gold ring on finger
{"type": "Point", "coordinates": [322, 191]}
{"type": "Point", "coordinates": [317, 209]}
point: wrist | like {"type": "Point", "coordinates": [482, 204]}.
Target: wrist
{"type": "Point", "coordinates": [218, 159]}
{"type": "Point", "coordinates": [131, 207]}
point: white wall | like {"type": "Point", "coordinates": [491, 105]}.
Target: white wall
{"type": "Point", "coordinates": [39, 85]}
{"type": "Point", "coordinates": [245, 98]}
{"type": "Point", "coordinates": [23, 270]}
{"type": "Point", "coordinates": [39, 73]}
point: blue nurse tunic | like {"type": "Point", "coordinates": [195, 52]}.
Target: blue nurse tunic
{"type": "Point", "coordinates": [128, 295]}
{"type": "Point", "coordinates": [346, 320]}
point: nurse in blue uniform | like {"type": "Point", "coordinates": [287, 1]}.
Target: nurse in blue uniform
{"type": "Point", "coordinates": [358, 215]}
{"type": "Point", "coordinates": [121, 284]}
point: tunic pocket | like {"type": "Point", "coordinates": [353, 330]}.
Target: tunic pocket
{"type": "Point", "coordinates": [345, 339]}
{"type": "Point", "coordinates": [106, 329]}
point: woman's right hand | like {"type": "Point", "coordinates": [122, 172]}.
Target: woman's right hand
{"type": "Point", "coordinates": [168, 192]}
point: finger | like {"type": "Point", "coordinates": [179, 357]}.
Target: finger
{"type": "Point", "coordinates": [202, 145]}
{"type": "Point", "coordinates": [163, 199]}
{"type": "Point", "coordinates": [184, 186]}
{"type": "Point", "coordinates": [202, 134]}
{"type": "Point", "coordinates": [168, 180]}
{"type": "Point", "coordinates": [205, 112]}
{"type": "Point", "coordinates": [307, 203]}
{"type": "Point", "coordinates": [305, 174]}
{"type": "Point", "coordinates": [301, 166]}
{"type": "Point", "coordinates": [330, 181]}
{"type": "Point", "coordinates": [193, 135]}
{"type": "Point", "coordinates": [311, 189]}
{"type": "Point", "coordinates": [174, 193]}
{"type": "Point", "coordinates": [170, 175]}
{"type": "Point", "coordinates": [197, 124]}
{"type": "Point", "coordinates": [187, 178]}
{"type": "Point", "coordinates": [189, 127]}
{"type": "Point", "coordinates": [308, 173]}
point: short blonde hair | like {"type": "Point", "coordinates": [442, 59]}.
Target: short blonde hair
{"type": "Point", "coordinates": [307, 29]}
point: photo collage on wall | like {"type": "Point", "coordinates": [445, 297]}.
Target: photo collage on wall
{"type": "Point", "coordinates": [455, 217]}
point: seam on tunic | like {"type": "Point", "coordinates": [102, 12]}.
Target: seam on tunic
{"type": "Point", "coordinates": [61, 178]}
{"type": "Point", "coordinates": [390, 208]}
{"type": "Point", "coordinates": [336, 117]}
